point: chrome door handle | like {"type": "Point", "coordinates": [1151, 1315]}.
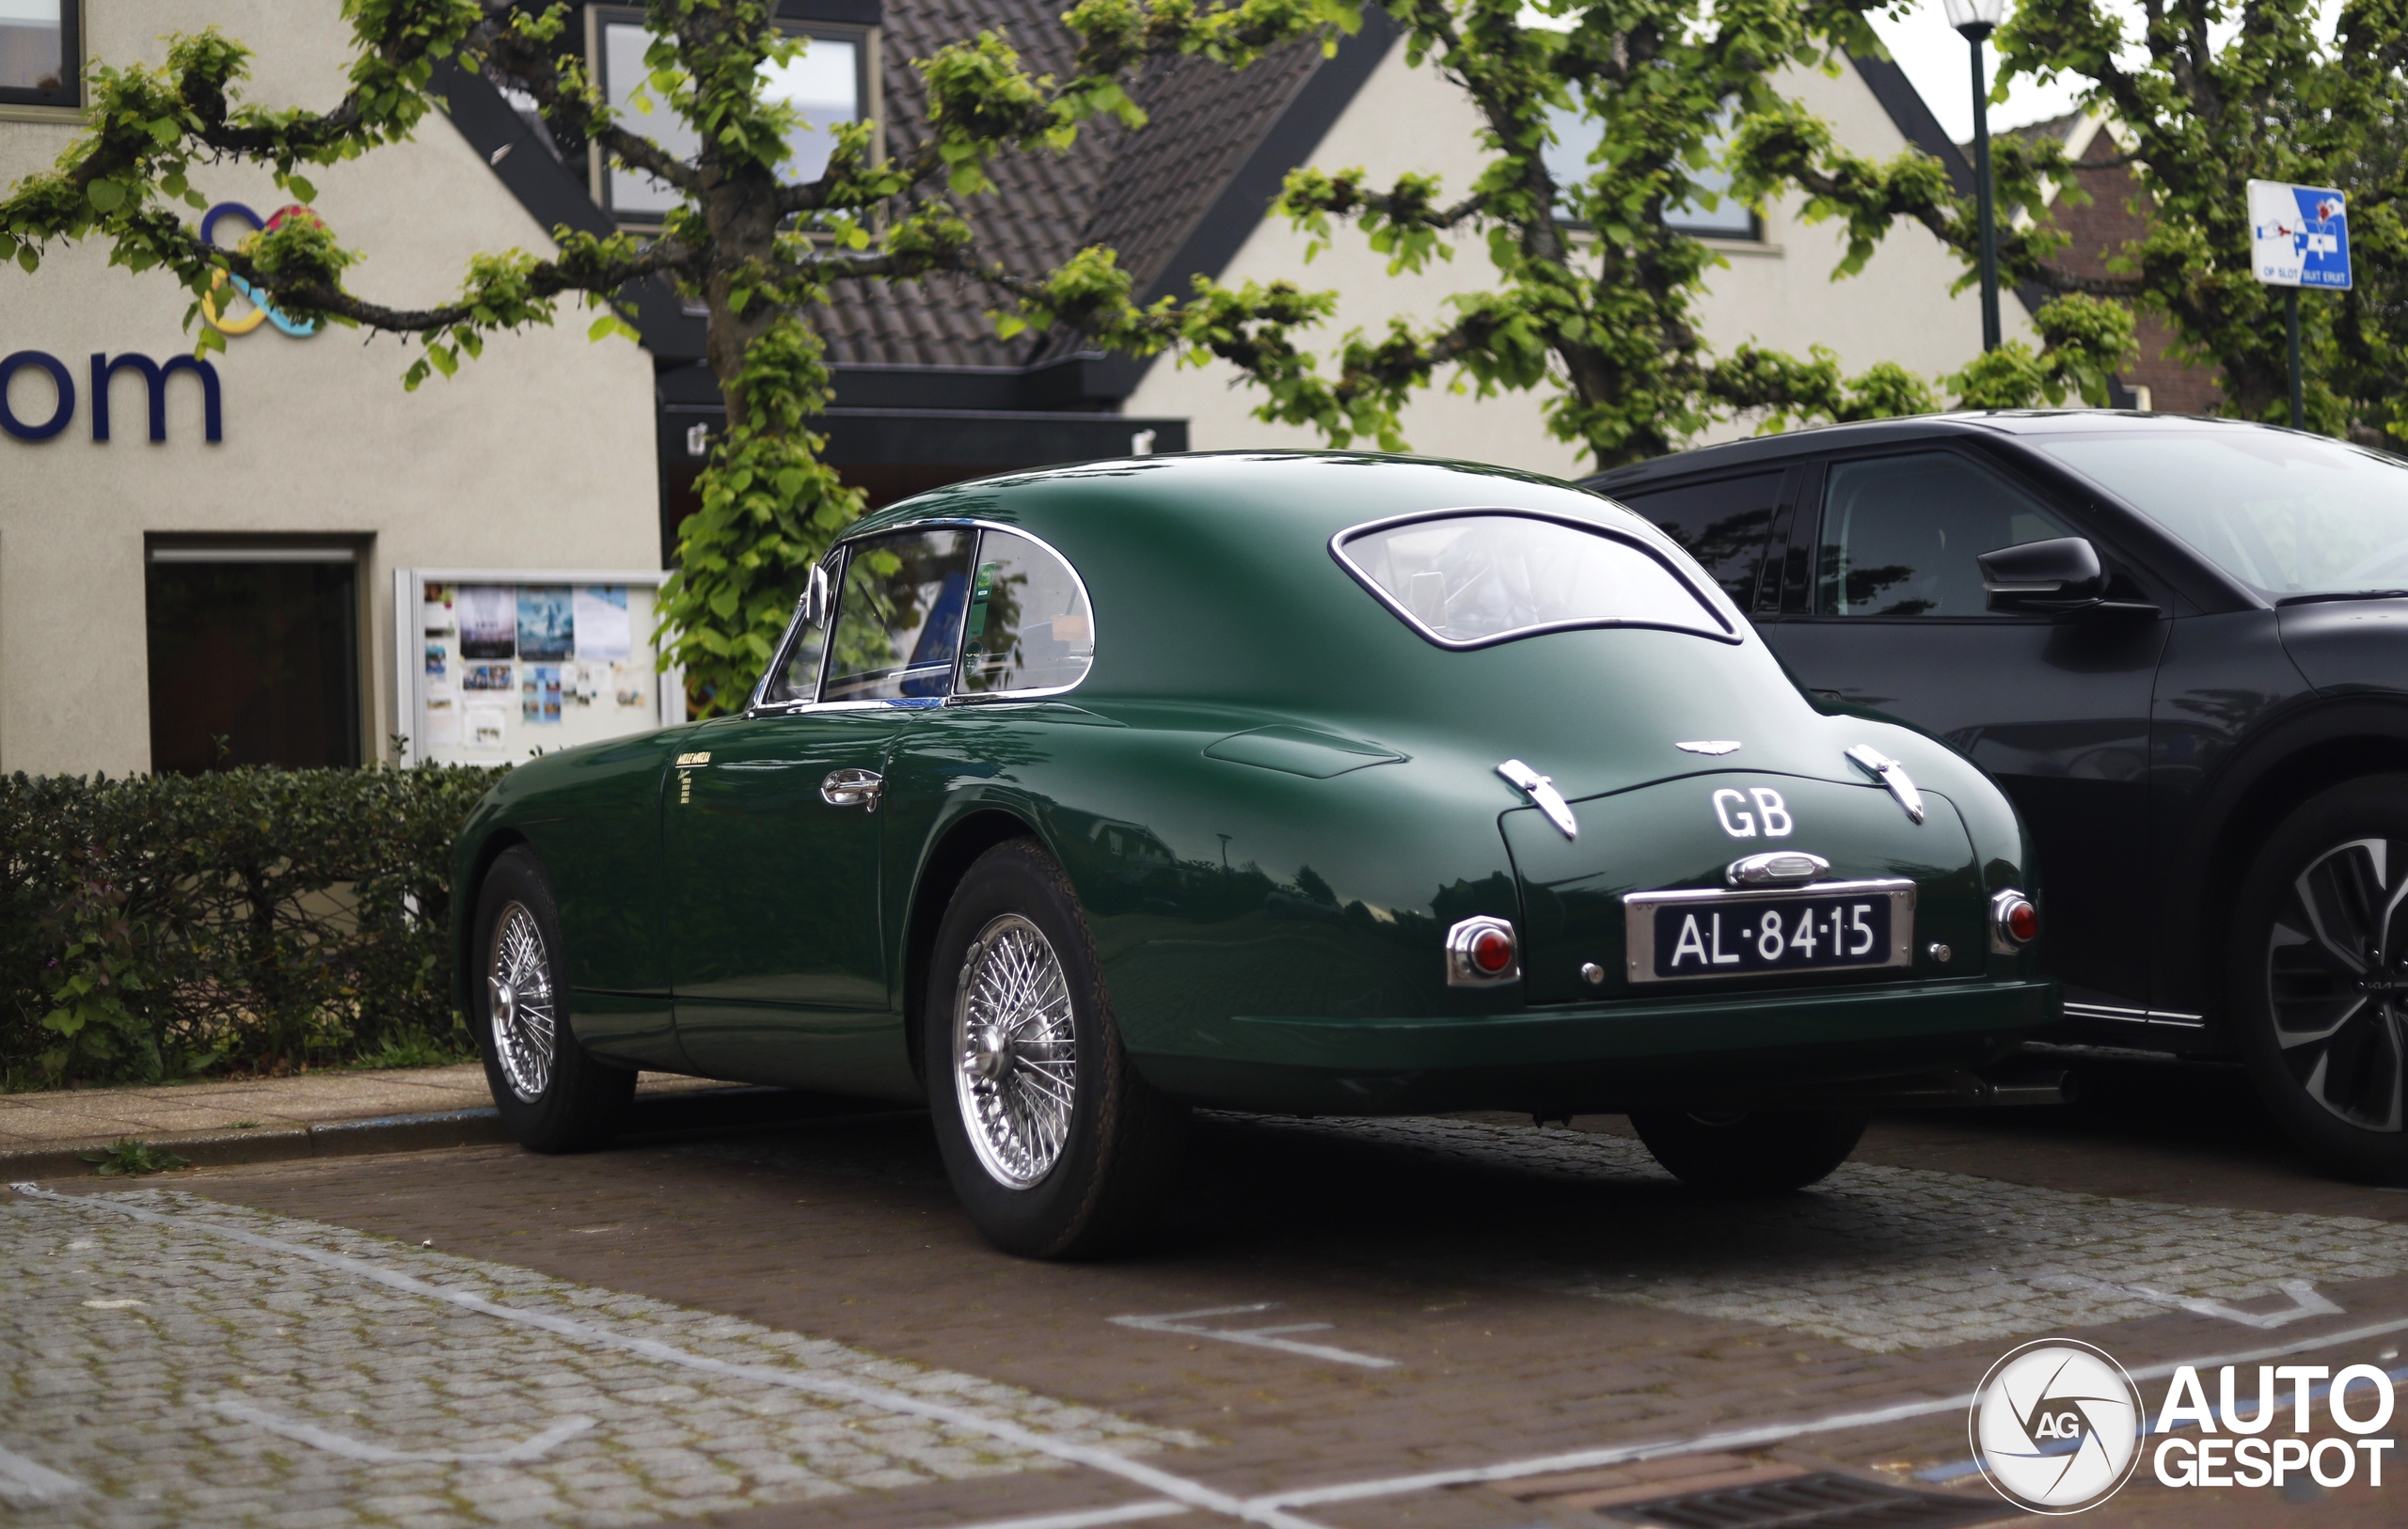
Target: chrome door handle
{"type": "Point", "coordinates": [853, 788]}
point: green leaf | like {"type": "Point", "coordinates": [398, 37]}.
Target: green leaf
{"type": "Point", "coordinates": [106, 195]}
{"type": "Point", "coordinates": [300, 188]}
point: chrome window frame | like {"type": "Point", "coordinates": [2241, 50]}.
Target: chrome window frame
{"type": "Point", "coordinates": [841, 556]}
{"type": "Point", "coordinates": [1709, 596]}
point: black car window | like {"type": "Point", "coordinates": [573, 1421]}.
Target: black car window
{"type": "Point", "coordinates": [1722, 524]}
{"type": "Point", "coordinates": [1030, 628]}
{"type": "Point", "coordinates": [1466, 580]}
{"type": "Point", "coordinates": [1901, 534]}
{"type": "Point", "coordinates": [898, 619]}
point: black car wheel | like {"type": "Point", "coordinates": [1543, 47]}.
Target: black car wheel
{"type": "Point", "coordinates": [2319, 984]}
{"type": "Point", "coordinates": [1746, 1153]}
{"type": "Point", "coordinates": [552, 1096]}
{"type": "Point", "coordinates": [1056, 1147]}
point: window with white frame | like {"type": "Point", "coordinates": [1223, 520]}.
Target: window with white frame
{"type": "Point", "coordinates": [41, 54]}
{"type": "Point", "coordinates": [1576, 138]}
{"type": "Point", "coordinates": [828, 83]}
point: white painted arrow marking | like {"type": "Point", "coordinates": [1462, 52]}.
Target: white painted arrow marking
{"type": "Point", "coordinates": [1259, 1337]}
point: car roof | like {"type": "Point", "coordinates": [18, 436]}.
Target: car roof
{"type": "Point", "coordinates": [1989, 423]}
{"type": "Point", "coordinates": [1302, 495]}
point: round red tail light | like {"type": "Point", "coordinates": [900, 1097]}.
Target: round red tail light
{"type": "Point", "coordinates": [2016, 921]}
{"type": "Point", "coordinates": [1492, 951]}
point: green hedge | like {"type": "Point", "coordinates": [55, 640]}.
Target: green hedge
{"type": "Point", "coordinates": [249, 921]}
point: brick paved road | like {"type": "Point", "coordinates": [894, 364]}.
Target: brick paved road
{"type": "Point", "coordinates": [796, 1327]}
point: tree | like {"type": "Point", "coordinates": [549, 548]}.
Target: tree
{"type": "Point", "coordinates": [2211, 94]}
{"type": "Point", "coordinates": [1596, 294]}
{"type": "Point", "coordinates": [759, 252]}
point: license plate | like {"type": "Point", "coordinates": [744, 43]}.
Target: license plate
{"type": "Point", "coordinates": [1832, 926]}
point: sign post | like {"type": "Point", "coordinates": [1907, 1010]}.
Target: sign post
{"type": "Point", "coordinates": [2299, 236]}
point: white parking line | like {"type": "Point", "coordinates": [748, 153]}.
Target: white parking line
{"type": "Point", "coordinates": [359, 1449]}
{"type": "Point", "coordinates": [1768, 1433]}
{"type": "Point", "coordinates": [22, 1481]}
{"type": "Point", "coordinates": [1089, 1518]}
{"type": "Point", "coordinates": [1258, 1337]}
{"type": "Point", "coordinates": [2307, 1300]}
{"type": "Point", "coordinates": [1175, 1488]}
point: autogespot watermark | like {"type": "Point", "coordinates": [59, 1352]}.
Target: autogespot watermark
{"type": "Point", "coordinates": [2058, 1427]}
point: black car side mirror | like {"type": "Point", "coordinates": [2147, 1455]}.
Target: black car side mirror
{"type": "Point", "coordinates": [2047, 578]}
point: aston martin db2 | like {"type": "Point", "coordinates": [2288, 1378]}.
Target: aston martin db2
{"type": "Point", "coordinates": [1312, 783]}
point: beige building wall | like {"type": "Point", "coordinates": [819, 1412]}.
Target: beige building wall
{"type": "Point", "coordinates": [540, 455]}
{"type": "Point", "coordinates": [1779, 293]}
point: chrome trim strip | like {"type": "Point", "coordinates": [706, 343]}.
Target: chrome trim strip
{"type": "Point", "coordinates": [1708, 594]}
{"type": "Point", "coordinates": [1638, 928]}
{"type": "Point", "coordinates": [2175, 1018]}
{"type": "Point", "coordinates": [1776, 868]}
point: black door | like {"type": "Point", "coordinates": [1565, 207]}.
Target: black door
{"type": "Point", "coordinates": [1892, 616]}
{"type": "Point", "coordinates": [1723, 523]}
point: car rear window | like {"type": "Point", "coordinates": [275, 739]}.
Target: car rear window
{"type": "Point", "coordinates": [1465, 579]}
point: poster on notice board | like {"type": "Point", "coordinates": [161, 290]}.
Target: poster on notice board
{"type": "Point", "coordinates": [502, 670]}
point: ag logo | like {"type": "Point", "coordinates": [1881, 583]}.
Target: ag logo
{"type": "Point", "coordinates": [2056, 1427]}
{"type": "Point", "coordinates": [1731, 810]}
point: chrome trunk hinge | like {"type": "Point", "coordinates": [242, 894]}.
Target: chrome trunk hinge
{"type": "Point", "coordinates": [1541, 789]}
{"type": "Point", "coordinates": [1879, 765]}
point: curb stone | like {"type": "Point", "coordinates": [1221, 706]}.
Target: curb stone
{"type": "Point", "coordinates": [675, 1113]}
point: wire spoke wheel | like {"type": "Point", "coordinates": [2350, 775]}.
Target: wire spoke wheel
{"type": "Point", "coordinates": [518, 990]}
{"type": "Point", "coordinates": [1015, 1051]}
{"type": "Point", "coordinates": [2336, 982]}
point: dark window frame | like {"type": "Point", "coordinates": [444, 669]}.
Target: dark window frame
{"type": "Point", "coordinates": [69, 96]}
{"type": "Point", "coordinates": [600, 18]}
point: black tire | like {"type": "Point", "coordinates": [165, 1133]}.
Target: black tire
{"type": "Point", "coordinates": [2317, 987]}
{"type": "Point", "coordinates": [1054, 1178]}
{"type": "Point", "coordinates": [552, 1096]}
{"type": "Point", "coordinates": [1751, 1154]}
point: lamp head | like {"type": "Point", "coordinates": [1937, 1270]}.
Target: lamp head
{"type": "Point", "coordinates": [1974, 19]}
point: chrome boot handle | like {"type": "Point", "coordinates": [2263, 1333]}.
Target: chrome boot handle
{"type": "Point", "coordinates": [853, 788]}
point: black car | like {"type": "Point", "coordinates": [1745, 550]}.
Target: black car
{"type": "Point", "coordinates": [2182, 645]}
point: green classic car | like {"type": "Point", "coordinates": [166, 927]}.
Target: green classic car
{"type": "Point", "coordinates": [1315, 783]}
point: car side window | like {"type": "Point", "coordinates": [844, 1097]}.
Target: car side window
{"type": "Point", "coordinates": [1722, 524]}
{"type": "Point", "coordinates": [796, 678]}
{"type": "Point", "coordinates": [1901, 534]}
{"type": "Point", "coordinates": [1030, 627]}
{"type": "Point", "coordinates": [898, 617]}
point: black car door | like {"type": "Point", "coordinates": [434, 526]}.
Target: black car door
{"type": "Point", "coordinates": [1886, 610]}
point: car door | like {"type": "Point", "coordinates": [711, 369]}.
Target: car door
{"type": "Point", "coordinates": [1892, 615]}
{"type": "Point", "coordinates": [773, 834]}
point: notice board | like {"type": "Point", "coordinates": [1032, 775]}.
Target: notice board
{"type": "Point", "coordinates": [495, 666]}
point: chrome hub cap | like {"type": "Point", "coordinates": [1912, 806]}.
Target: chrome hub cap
{"type": "Point", "coordinates": [2337, 980]}
{"type": "Point", "coordinates": [1016, 1072]}
{"type": "Point", "coordinates": [518, 985]}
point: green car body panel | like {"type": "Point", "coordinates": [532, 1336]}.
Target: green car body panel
{"type": "Point", "coordinates": [1274, 797]}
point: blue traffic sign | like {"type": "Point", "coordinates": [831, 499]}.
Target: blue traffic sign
{"type": "Point", "coordinates": [2299, 236]}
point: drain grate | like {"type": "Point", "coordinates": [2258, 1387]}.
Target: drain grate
{"type": "Point", "coordinates": [1823, 1501]}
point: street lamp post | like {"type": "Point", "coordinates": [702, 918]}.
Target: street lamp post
{"type": "Point", "coordinates": [1975, 19]}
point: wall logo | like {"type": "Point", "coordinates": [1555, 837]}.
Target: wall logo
{"type": "Point", "coordinates": [231, 306]}
{"type": "Point", "coordinates": [2056, 1427]}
